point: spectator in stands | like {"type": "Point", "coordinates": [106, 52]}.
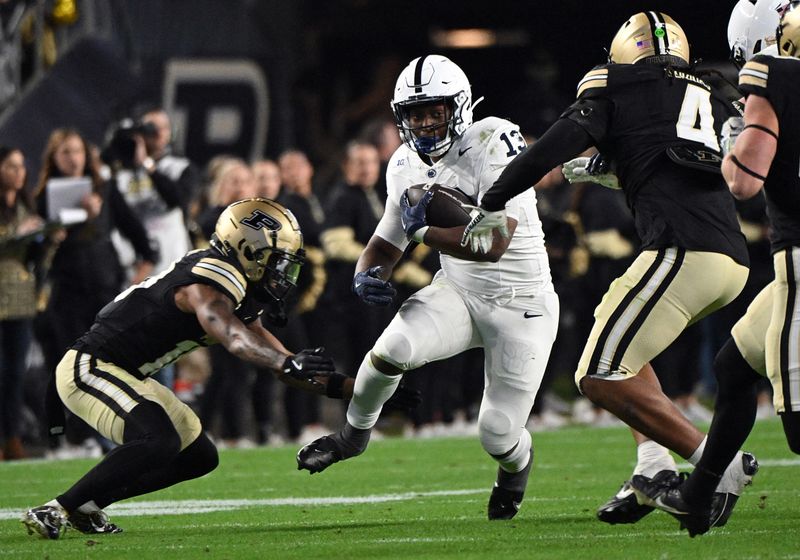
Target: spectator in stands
{"type": "Point", "coordinates": [226, 387]}
{"type": "Point", "coordinates": [268, 178]}
{"type": "Point", "coordinates": [353, 211]}
{"type": "Point", "coordinates": [297, 194]}
{"type": "Point", "coordinates": [85, 272]}
{"type": "Point", "coordinates": [18, 226]}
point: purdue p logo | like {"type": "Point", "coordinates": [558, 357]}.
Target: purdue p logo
{"type": "Point", "coordinates": [259, 219]}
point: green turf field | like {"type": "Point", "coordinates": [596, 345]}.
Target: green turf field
{"type": "Point", "coordinates": [410, 499]}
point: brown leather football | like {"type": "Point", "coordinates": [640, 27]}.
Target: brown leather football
{"type": "Point", "coordinates": [445, 208]}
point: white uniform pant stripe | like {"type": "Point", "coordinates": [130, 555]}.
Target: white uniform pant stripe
{"type": "Point", "coordinates": [120, 397]}
{"type": "Point", "coordinates": [793, 346]}
{"type": "Point", "coordinates": [633, 310]}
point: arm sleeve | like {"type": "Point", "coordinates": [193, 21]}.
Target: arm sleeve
{"type": "Point", "coordinates": [390, 228]}
{"type": "Point", "coordinates": [562, 141]}
{"type": "Point", "coordinates": [129, 225]}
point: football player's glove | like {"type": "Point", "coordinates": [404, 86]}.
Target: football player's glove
{"type": "Point", "coordinates": [307, 364]}
{"type": "Point", "coordinates": [595, 169]}
{"type": "Point", "coordinates": [372, 289]}
{"type": "Point", "coordinates": [478, 232]}
{"type": "Point", "coordinates": [413, 217]}
{"type": "Point", "coordinates": [731, 129]}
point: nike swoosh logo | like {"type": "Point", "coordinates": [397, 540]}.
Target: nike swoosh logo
{"type": "Point", "coordinates": [530, 315]}
{"type": "Point", "coordinates": [298, 366]}
{"type": "Point", "coordinates": [664, 507]}
{"type": "Point", "coordinates": [464, 151]}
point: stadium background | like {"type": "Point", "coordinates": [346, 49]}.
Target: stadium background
{"type": "Point", "coordinates": [276, 55]}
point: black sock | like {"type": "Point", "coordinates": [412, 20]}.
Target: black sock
{"type": "Point", "coordinates": [150, 439]}
{"type": "Point", "coordinates": [199, 457]}
{"type": "Point", "coordinates": [734, 416]}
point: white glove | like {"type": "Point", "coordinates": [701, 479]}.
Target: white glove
{"type": "Point", "coordinates": [731, 129]}
{"type": "Point", "coordinates": [575, 172]}
{"type": "Point", "coordinates": [478, 232]}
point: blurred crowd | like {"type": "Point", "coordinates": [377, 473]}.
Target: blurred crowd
{"type": "Point", "coordinates": [140, 206]}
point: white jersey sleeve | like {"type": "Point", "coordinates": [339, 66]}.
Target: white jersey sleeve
{"type": "Point", "coordinates": [503, 146]}
{"type": "Point", "coordinates": [390, 228]}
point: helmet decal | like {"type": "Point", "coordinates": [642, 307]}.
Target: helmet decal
{"type": "Point", "coordinates": [258, 220]}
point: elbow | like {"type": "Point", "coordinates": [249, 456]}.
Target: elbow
{"type": "Point", "coordinates": [743, 190]}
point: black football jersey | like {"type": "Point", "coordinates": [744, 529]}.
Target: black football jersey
{"type": "Point", "coordinates": [143, 330]}
{"type": "Point", "coordinates": [643, 117]}
{"type": "Point", "coordinates": [777, 79]}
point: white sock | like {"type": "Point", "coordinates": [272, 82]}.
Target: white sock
{"type": "Point", "coordinates": [653, 458]}
{"type": "Point", "coordinates": [89, 507]}
{"type": "Point", "coordinates": [695, 458]}
{"type": "Point", "coordinates": [55, 503]}
{"type": "Point", "coordinates": [371, 390]}
{"type": "Point", "coordinates": [518, 459]}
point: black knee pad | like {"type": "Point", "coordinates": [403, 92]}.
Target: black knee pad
{"type": "Point", "coordinates": [732, 371]}
{"type": "Point", "coordinates": [150, 426]}
{"type": "Point", "coordinates": [200, 457]}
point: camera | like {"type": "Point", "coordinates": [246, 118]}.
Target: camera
{"type": "Point", "coordinates": [120, 150]}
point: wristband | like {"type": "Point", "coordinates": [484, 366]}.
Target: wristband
{"type": "Point", "coordinates": [419, 235]}
{"type": "Point", "coordinates": [335, 387]}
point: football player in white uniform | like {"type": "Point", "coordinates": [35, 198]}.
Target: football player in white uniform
{"type": "Point", "coordinates": [502, 300]}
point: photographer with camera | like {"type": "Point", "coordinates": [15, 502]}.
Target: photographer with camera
{"type": "Point", "coordinates": [157, 193]}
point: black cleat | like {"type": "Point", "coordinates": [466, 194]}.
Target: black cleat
{"type": "Point", "coordinates": [319, 455]}
{"type": "Point", "coordinates": [94, 523]}
{"type": "Point", "coordinates": [623, 507]}
{"type": "Point", "coordinates": [327, 450]}
{"type": "Point", "coordinates": [505, 503]}
{"type": "Point", "coordinates": [48, 521]}
{"type": "Point", "coordinates": [696, 520]}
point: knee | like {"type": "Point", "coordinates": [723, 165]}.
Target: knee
{"type": "Point", "coordinates": [201, 455]}
{"type": "Point", "coordinates": [395, 348]}
{"type": "Point", "coordinates": [150, 426]}
{"type": "Point", "coordinates": [496, 431]}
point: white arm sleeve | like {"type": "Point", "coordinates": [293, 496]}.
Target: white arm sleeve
{"type": "Point", "coordinates": [390, 228]}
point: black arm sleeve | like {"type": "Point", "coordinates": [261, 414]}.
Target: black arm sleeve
{"type": "Point", "coordinates": [562, 142]}
{"type": "Point", "coordinates": [129, 225]}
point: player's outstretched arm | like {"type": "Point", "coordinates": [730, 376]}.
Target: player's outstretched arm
{"type": "Point", "coordinates": [306, 369]}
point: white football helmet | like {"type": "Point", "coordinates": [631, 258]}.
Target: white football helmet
{"type": "Point", "coordinates": [752, 27]}
{"type": "Point", "coordinates": [426, 80]}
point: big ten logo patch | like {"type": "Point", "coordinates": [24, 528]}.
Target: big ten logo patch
{"type": "Point", "coordinates": [218, 106]}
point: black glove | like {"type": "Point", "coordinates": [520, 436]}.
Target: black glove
{"type": "Point", "coordinates": [405, 399]}
{"type": "Point", "coordinates": [369, 286]}
{"type": "Point", "coordinates": [308, 363]}
{"type": "Point", "coordinates": [414, 217]}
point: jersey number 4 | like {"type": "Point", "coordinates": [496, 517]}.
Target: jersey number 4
{"type": "Point", "coordinates": [696, 121]}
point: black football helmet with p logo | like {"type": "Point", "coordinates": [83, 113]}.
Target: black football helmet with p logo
{"type": "Point", "coordinates": [265, 238]}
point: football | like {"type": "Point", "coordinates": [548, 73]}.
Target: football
{"type": "Point", "coordinates": [445, 208]}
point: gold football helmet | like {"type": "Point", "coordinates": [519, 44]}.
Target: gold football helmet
{"type": "Point", "coordinates": [265, 238]}
{"type": "Point", "coordinates": [648, 34]}
{"type": "Point", "coordinates": [788, 33]}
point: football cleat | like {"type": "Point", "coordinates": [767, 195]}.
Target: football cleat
{"type": "Point", "coordinates": [723, 502]}
{"type": "Point", "coordinates": [695, 519]}
{"type": "Point", "coordinates": [503, 502]}
{"type": "Point", "coordinates": [49, 522]}
{"type": "Point", "coordinates": [623, 507]}
{"type": "Point", "coordinates": [319, 455]}
{"type": "Point", "coordinates": [94, 523]}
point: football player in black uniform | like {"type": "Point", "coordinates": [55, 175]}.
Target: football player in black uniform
{"type": "Point", "coordinates": [765, 340]}
{"type": "Point", "coordinates": [658, 119]}
{"type": "Point", "coordinates": [212, 295]}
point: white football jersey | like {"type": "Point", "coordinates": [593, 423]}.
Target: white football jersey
{"type": "Point", "coordinates": [472, 165]}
